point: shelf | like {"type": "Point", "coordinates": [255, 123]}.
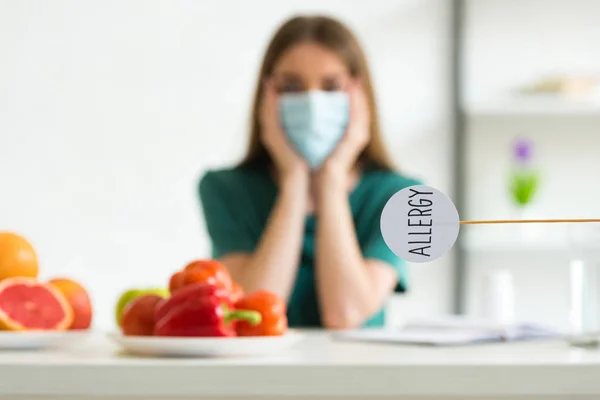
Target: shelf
{"type": "Point", "coordinates": [544, 106]}
{"type": "Point", "coordinates": [501, 246]}
{"type": "Point", "coordinates": [488, 243]}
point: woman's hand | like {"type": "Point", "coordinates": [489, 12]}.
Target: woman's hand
{"type": "Point", "coordinates": [343, 158]}
{"type": "Point", "coordinates": [338, 173]}
{"type": "Point", "coordinates": [288, 163]}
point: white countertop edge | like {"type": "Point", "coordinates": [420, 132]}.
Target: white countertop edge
{"type": "Point", "coordinates": [299, 380]}
{"type": "Point", "coordinates": [317, 366]}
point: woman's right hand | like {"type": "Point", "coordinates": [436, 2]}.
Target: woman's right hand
{"type": "Point", "coordinates": [288, 163]}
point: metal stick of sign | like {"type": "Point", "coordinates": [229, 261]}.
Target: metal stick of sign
{"type": "Point", "coordinates": [420, 224]}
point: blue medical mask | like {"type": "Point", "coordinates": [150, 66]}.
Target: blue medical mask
{"type": "Point", "coordinates": [314, 122]}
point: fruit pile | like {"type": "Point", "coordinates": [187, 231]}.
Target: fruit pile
{"type": "Point", "coordinates": [28, 303]}
{"type": "Point", "coordinates": [203, 301]}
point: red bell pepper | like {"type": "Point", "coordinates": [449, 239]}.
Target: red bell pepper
{"type": "Point", "coordinates": [204, 316]}
{"type": "Point", "coordinates": [190, 293]}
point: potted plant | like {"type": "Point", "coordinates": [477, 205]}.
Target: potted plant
{"type": "Point", "coordinates": [524, 178]}
{"type": "Point", "coordinates": [524, 182]}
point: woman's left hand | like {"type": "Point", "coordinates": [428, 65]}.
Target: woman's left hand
{"type": "Point", "coordinates": [343, 158]}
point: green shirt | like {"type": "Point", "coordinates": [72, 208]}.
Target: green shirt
{"type": "Point", "coordinates": [237, 202]}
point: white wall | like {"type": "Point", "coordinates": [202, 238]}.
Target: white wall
{"type": "Point", "coordinates": [510, 43]}
{"type": "Point", "coordinates": [110, 110]}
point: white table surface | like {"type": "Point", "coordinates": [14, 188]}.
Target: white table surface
{"type": "Point", "coordinates": [318, 367]}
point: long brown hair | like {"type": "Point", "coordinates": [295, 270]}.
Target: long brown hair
{"type": "Point", "coordinates": [336, 37]}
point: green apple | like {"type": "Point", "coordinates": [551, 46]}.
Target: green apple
{"type": "Point", "coordinates": [133, 294]}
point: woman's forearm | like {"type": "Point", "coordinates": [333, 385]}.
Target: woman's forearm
{"type": "Point", "coordinates": [344, 284]}
{"type": "Point", "coordinates": [274, 264]}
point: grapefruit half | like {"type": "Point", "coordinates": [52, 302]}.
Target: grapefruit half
{"type": "Point", "coordinates": [27, 304]}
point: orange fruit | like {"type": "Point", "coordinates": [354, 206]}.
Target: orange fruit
{"type": "Point", "coordinates": [17, 257]}
{"type": "Point", "coordinates": [79, 300]}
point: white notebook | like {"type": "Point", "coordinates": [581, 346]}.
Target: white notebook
{"type": "Point", "coordinates": [450, 331]}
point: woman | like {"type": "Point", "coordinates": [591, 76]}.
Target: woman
{"type": "Point", "coordinates": [300, 215]}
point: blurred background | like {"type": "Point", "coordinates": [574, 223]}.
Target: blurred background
{"type": "Point", "coordinates": [110, 111]}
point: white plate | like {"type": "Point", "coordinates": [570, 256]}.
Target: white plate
{"type": "Point", "coordinates": [205, 346]}
{"type": "Point", "coordinates": [37, 340]}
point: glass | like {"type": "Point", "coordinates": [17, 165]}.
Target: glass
{"type": "Point", "coordinates": [584, 246]}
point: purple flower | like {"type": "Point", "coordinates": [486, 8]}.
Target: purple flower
{"type": "Point", "coordinates": [523, 150]}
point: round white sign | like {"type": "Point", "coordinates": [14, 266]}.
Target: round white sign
{"type": "Point", "coordinates": [419, 224]}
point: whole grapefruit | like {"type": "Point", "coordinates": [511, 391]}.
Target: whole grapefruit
{"type": "Point", "coordinates": [78, 299]}
{"type": "Point", "coordinates": [17, 257]}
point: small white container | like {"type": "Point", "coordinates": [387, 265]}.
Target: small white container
{"type": "Point", "coordinates": [498, 297]}
{"type": "Point", "coordinates": [584, 283]}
